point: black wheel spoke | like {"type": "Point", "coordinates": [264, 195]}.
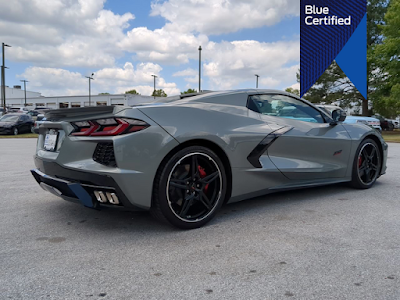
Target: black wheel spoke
{"type": "Point", "coordinates": [361, 170]}
{"type": "Point", "coordinates": [186, 205]}
{"type": "Point", "coordinates": [374, 167]}
{"type": "Point", "coordinates": [373, 152]}
{"type": "Point", "coordinates": [210, 178]}
{"type": "Point", "coordinates": [194, 167]}
{"type": "Point", "coordinates": [178, 184]}
{"type": "Point", "coordinates": [204, 199]}
{"type": "Point", "coordinates": [367, 176]}
{"type": "Point", "coordinates": [365, 154]}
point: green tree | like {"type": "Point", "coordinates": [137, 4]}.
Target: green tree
{"type": "Point", "coordinates": [159, 93]}
{"type": "Point", "coordinates": [387, 100]}
{"type": "Point", "coordinates": [104, 94]}
{"type": "Point", "coordinates": [376, 10]}
{"type": "Point", "coordinates": [133, 92]}
{"type": "Point", "coordinates": [293, 91]}
{"type": "Point", "coordinates": [189, 91]}
{"type": "Point", "coordinates": [333, 86]}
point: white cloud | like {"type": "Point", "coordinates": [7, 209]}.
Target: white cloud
{"type": "Point", "coordinates": [296, 86]}
{"type": "Point", "coordinates": [223, 16]}
{"type": "Point", "coordinates": [187, 72]}
{"type": "Point", "coordinates": [60, 33]}
{"type": "Point", "coordinates": [230, 63]}
{"type": "Point", "coordinates": [162, 45]}
{"type": "Point", "coordinates": [56, 82]}
{"type": "Point", "coordinates": [54, 35]}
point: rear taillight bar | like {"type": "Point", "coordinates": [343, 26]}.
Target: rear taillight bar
{"type": "Point", "coordinates": [107, 127]}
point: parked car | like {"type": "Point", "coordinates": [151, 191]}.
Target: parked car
{"type": "Point", "coordinates": [385, 123]}
{"type": "Point", "coordinates": [34, 114]}
{"type": "Point", "coordinates": [396, 124]}
{"type": "Point", "coordinates": [1, 111]}
{"type": "Point", "coordinates": [40, 119]}
{"type": "Point", "coordinates": [184, 159]}
{"type": "Point", "coordinates": [373, 122]}
{"type": "Point", "coordinates": [15, 123]}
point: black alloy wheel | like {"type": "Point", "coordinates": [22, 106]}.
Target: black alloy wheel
{"type": "Point", "coordinates": [190, 188]}
{"type": "Point", "coordinates": [367, 164]}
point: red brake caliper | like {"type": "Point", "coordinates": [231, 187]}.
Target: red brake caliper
{"type": "Point", "coordinates": [202, 175]}
{"type": "Point", "coordinates": [359, 161]}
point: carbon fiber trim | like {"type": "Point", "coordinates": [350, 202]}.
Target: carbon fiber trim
{"type": "Point", "coordinates": [254, 156]}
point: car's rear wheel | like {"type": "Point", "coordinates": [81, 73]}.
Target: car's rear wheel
{"type": "Point", "coordinates": [367, 165]}
{"type": "Point", "coordinates": [189, 188]}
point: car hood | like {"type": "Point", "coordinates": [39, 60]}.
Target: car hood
{"type": "Point", "coordinates": [6, 124]}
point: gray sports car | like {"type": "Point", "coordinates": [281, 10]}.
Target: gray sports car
{"type": "Point", "coordinates": [184, 158]}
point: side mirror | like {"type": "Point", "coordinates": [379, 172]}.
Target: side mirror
{"type": "Point", "coordinates": [338, 115]}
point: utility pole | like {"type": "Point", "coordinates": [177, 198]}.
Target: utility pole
{"type": "Point", "coordinates": [200, 68]}
{"type": "Point", "coordinates": [257, 80]}
{"type": "Point", "coordinates": [90, 78]}
{"type": "Point", "coordinates": [3, 79]}
{"type": "Point", "coordinates": [154, 93]}
{"type": "Point", "coordinates": [24, 81]}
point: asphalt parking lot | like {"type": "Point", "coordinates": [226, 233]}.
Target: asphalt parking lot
{"type": "Point", "coordinates": [323, 243]}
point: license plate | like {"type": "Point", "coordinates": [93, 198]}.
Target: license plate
{"type": "Point", "coordinates": [50, 141]}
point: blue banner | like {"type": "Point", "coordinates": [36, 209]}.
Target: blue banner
{"type": "Point", "coordinates": [333, 30]}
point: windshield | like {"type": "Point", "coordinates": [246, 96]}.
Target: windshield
{"type": "Point", "coordinates": [8, 118]}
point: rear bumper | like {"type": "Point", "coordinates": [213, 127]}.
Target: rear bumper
{"type": "Point", "coordinates": [76, 186]}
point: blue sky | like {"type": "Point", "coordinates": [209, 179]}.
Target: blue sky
{"type": "Point", "coordinates": [124, 42]}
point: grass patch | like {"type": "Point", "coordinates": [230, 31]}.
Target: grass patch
{"type": "Point", "coordinates": [392, 136]}
{"type": "Point", "coordinates": [19, 136]}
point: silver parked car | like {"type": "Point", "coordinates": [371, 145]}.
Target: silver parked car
{"type": "Point", "coordinates": [40, 119]}
{"type": "Point", "coordinates": [183, 159]}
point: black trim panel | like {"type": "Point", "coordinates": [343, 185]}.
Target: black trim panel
{"type": "Point", "coordinates": [85, 178]}
{"type": "Point", "coordinates": [254, 156]}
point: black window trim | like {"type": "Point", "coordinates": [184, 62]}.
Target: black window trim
{"type": "Point", "coordinates": [323, 115]}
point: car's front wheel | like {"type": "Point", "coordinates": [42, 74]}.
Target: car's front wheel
{"type": "Point", "coordinates": [367, 165]}
{"type": "Point", "coordinates": [15, 131]}
{"type": "Point", "coordinates": [189, 188]}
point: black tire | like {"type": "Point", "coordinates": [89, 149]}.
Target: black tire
{"type": "Point", "coordinates": [188, 199]}
{"type": "Point", "coordinates": [366, 165]}
{"type": "Point", "coordinates": [15, 131]}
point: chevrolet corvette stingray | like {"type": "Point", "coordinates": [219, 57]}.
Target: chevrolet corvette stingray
{"type": "Point", "coordinates": [184, 158]}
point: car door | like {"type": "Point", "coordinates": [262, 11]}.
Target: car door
{"type": "Point", "coordinates": [310, 148]}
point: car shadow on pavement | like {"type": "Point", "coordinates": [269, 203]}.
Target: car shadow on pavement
{"type": "Point", "coordinates": [110, 219]}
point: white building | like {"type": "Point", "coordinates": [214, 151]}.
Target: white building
{"type": "Point", "coordinates": [17, 92]}
{"type": "Point", "coordinates": [34, 100]}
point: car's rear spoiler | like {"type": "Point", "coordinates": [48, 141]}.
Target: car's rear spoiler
{"type": "Point", "coordinates": [64, 113]}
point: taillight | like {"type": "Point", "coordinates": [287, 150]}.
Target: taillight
{"type": "Point", "coordinates": [108, 127]}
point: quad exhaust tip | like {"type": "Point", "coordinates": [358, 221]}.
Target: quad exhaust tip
{"type": "Point", "coordinates": [106, 197]}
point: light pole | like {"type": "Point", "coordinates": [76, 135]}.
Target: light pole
{"type": "Point", "coordinates": [257, 80]}
{"type": "Point", "coordinates": [90, 78]}
{"type": "Point", "coordinates": [154, 93]}
{"type": "Point", "coordinates": [24, 81]}
{"type": "Point", "coordinates": [200, 68]}
{"type": "Point", "coordinates": [3, 79]}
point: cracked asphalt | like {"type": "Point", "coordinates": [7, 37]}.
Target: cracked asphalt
{"type": "Point", "coordinates": [329, 242]}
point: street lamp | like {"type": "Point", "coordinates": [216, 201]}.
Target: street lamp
{"type": "Point", "coordinates": [3, 79]}
{"type": "Point", "coordinates": [24, 81]}
{"type": "Point", "coordinates": [200, 68]}
{"type": "Point", "coordinates": [257, 80]}
{"type": "Point", "coordinates": [154, 93]}
{"type": "Point", "coordinates": [90, 78]}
